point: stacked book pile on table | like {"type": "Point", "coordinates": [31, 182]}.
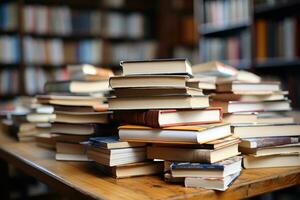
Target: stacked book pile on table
{"type": "Point", "coordinates": [80, 111]}
{"type": "Point", "coordinates": [155, 106]}
{"type": "Point", "coordinates": [258, 113]}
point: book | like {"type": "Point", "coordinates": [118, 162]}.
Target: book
{"type": "Point", "coordinates": [221, 184]}
{"type": "Point", "coordinates": [133, 169]}
{"type": "Point", "coordinates": [94, 117]}
{"type": "Point", "coordinates": [46, 140]}
{"type": "Point", "coordinates": [88, 72]}
{"type": "Point", "coordinates": [268, 141]}
{"type": "Point", "coordinates": [157, 66]}
{"type": "Point", "coordinates": [71, 157]}
{"type": "Point", "coordinates": [242, 76]}
{"type": "Point", "coordinates": [145, 81]}
{"type": "Point", "coordinates": [202, 170]}
{"type": "Point", "coordinates": [248, 97]}
{"type": "Point", "coordinates": [240, 117]}
{"type": "Point", "coordinates": [70, 100]}
{"type": "Point", "coordinates": [272, 150]}
{"type": "Point", "coordinates": [238, 86]}
{"type": "Point", "coordinates": [61, 137]}
{"type": "Point", "coordinates": [115, 157]}
{"type": "Point", "coordinates": [178, 134]}
{"type": "Point", "coordinates": [198, 83]}
{"type": "Point", "coordinates": [83, 129]}
{"type": "Point", "coordinates": [192, 154]}
{"type": "Point", "coordinates": [265, 130]}
{"type": "Point", "coordinates": [214, 68]}
{"type": "Point", "coordinates": [112, 142]}
{"type": "Point", "coordinates": [154, 92]}
{"type": "Point", "coordinates": [250, 162]}
{"type": "Point", "coordinates": [40, 117]}
{"type": "Point", "coordinates": [72, 86]}
{"type": "Point", "coordinates": [168, 102]}
{"type": "Point", "coordinates": [240, 106]}
{"type": "Point", "coordinates": [274, 117]}
{"type": "Point", "coordinates": [70, 152]}
{"type": "Point", "coordinates": [167, 118]}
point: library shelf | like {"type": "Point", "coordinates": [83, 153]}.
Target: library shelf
{"type": "Point", "coordinates": [278, 7]}
{"type": "Point", "coordinates": [9, 65]}
{"type": "Point", "coordinates": [277, 63]}
{"type": "Point", "coordinates": [209, 30]}
{"type": "Point", "coordinates": [63, 36]}
{"type": "Point", "coordinates": [8, 32]}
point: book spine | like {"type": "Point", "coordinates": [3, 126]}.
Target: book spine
{"type": "Point", "coordinates": [196, 166]}
{"type": "Point", "coordinates": [146, 118]}
{"type": "Point", "coordinates": [276, 141]}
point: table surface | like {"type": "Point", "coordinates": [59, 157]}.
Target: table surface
{"type": "Point", "coordinates": [82, 180]}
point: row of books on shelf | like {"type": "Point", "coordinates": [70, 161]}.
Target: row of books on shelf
{"type": "Point", "coordinates": [164, 117]}
{"type": "Point", "coordinates": [224, 13]}
{"type": "Point", "coordinates": [62, 20]}
{"type": "Point", "coordinates": [9, 82]}
{"type": "Point", "coordinates": [232, 48]}
{"type": "Point", "coordinates": [60, 52]}
{"type": "Point", "coordinates": [277, 39]}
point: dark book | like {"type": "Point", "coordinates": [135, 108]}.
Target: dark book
{"type": "Point", "coordinates": [58, 108]}
{"type": "Point", "coordinates": [269, 141]}
{"type": "Point", "coordinates": [71, 138]}
{"type": "Point", "coordinates": [112, 142]}
{"type": "Point", "coordinates": [166, 118]}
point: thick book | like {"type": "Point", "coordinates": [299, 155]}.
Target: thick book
{"type": "Point", "coordinates": [191, 154]}
{"type": "Point", "coordinates": [215, 170]}
{"type": "Point", "coordinates": [76, 86]}
{"type": "Point", "coordinates": [274, 117]}
{"type": "Point", "coordinates": [240, 106]}
{"type": "Point", "coordinates": [70, 152]}
{"type": "Point", "coordinates": [157, 92]}
{"type": "Point", "coordinates": [272, 150]}
{"type": "Point", "coordinates": [287, 160]}
{"type": "Point", "coordinates": [238, 118]}
{"type": "Point", "coordinates": [238, 86]}
{"type": "Point", "coordinates": [243, 76]}
{"type": "Point", "coordinates": [94, 117]}
{"type": "Point", "coordinates": [198, 83]}
{"type": "Point", "coordinates": [167, 118]}
{"type": "Point", "coordinates": [46, 140]}
{"type": "Point", "coordinates": [60, 137]}
{"type": "Point", "coordinates": [112, 142]}
{"type": "Point", "coordinates": [164, 102]}
{"type": "Point", "coordinates": [220, 184]}
{"type": "Point", "coordinates": [157, 66]}
{"type": "Point", "coordinates": [115, 157]}
{"type": "Point", "coordinates": [265, 130]}
{"type": "Point", "coordinates": [178, 134]}
{"type": "Point", "coordinates": [214, 68]}
{"type": "Point", "coordinates": [133, 169]}
{"type": "Point", "coordinates": [146, 81]}
{"type": "Point", "coordinates": [40, 117]}
{"type": "Point", "coordinates": [268, 141]}
{"type": "Point", "coordinates": [248, 97]}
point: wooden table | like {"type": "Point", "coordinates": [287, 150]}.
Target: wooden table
{"type": "Point", "coordinates": [83, 181]}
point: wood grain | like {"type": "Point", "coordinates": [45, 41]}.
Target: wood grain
{"type": "Point", "coordinates": [82, 180]}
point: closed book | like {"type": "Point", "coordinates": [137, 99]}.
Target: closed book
{"type": "Point", "coordinates": [220, 184]}
{"type": "Point", "coordinates": [157, 66]}
{"type": "Point", "coordinates": [287, 160]}
{"type": "Point", "coordinates": [70, 138]}
{"type": "Point", "coordinates": [198, 83]}
{"type": "Point", "coordinates": [272, 150]}
{"type": "Point", "coordinates": [71, 157]}
{"type": "Point", "coordinates": [156, 92]}
{"type": "Point", "coordinates": [94, 117]}
{"type": "Point", "coordinates": [112, 142]}
{"type": "Point", "coordinates": [215, 170]}
{"type": "Point", "coordinates": [214, 68]}
{"type": "Point", "coordinates": [133, 169]}
{"type": "Point", "coordinates": [265, 130]}
{"type": "Point", "coordinates": [238, 86]}
{"type": "Point", "coordinates": [238, 118]}
{"type": "Point", "coordinates": [268, 141]}
{"type": "Point", "coordinates": [163, 102]}
{"type": "Point", "coordinates": [261, 39]}
{"type": "Point", "coordinates": [75, 86]}
{"type": "Point", "coordinates": [242, 106]}
{"type": "Point", "coordinates": [167, 118]}
{"type": "Point", "coordinates": [178, 134]}
{"type": "Point", "coordinates": [145, 81]}
{"type": "Point", "coordinates": [71, 148]}
{"type": "Point", "coordinates": [191, 154]}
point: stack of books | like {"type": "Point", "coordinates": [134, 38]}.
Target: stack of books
{"type": "Point", "coordinates": [121, 159]}
{"type": "Point", "coordinates": [255, 110]}
{"type": "Point", "coordinates": [155, 105]}
{"type": "Point", "coordinates": [80, 113]}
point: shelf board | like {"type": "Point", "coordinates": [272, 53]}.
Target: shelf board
{"type": "Point", "coordinates": [63, 65]}
{"type": "Point", "coordinates": [9, 65]}
{"type": "Point", "coordinates": [209, 30]}
{"type": "Point", "coordinates": [277, 63]}
{"type": "Point", "coordinates": [267, 8]}
{"type": "Point", "coordinates": [8, 32]}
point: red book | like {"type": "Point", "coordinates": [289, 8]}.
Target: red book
{"type": "Point", "coordinates": [167, 118]}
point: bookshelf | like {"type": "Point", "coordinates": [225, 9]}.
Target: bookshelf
{"type": "Point", "coordinates": [42, 37]}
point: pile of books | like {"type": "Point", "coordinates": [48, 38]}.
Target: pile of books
{"type": "Point", "coordinates": [155, 106]}
{"type": "Point", "coordinates": [258, 113]}
{"type": "Point", "coordinates": [80, 111]}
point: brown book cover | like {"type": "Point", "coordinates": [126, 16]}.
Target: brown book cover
{"type": "Point", "coordinates": [261, 39]}
{"type": "Point", "coordinates": [151, 117]}
{"type": "Point", "coordinates": [269, 141]}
